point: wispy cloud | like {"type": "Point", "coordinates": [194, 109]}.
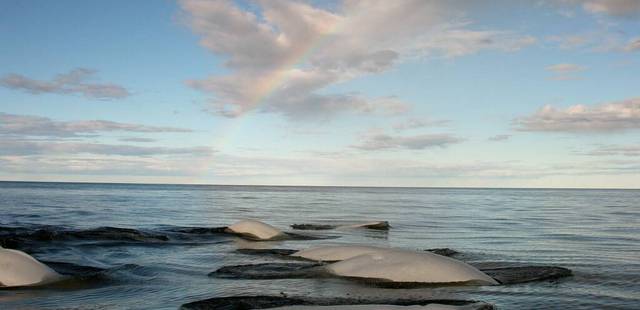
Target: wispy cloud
{"type": "Point", "coordinates": [29, 125]}
{"type": "Point", "coordinates": [381, 141]}
{"type": "Point", "coordinates": [633, 45]}
{"type": "Point", "coordinates": [415, 123]}
{"type": "Point", "coordinates": [285, 56]}
{"type": "Point", "coordinates": [617, 8]}
{"type": "Point", "coordinates": [603, 118]}
{"type": "Point", "coordinates": [498, 138]}
{"type": "Point", "coordinates": [29, 147]}
{"type": "Point", "coordinates": [72, 82]}
{"type": "Point", "coordinates": [615, 150]}
{"type": "Point", "coordinates": [136, 139]}
{"type": "Point", "coordinates": [565, 71]}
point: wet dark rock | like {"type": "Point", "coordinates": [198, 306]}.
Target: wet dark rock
{"type": "Point", "coordinates": [513, 275]}
{"type": "Point", "coordinates": [115, 233]}
{"type": "Point", "coordinates": [10, 243]}
{"type": "Point", "coordinates": [294, 236]}
{"type": "Point", "coordinates": [267, 302]}
{"type": "Point", "coordinates": [383, 225]}
{"type": "Point", "coordinates": [20, 237]}
{"type": "Point", "coordinates": [270, 271]}
{"type": "Point", "coordinates": [274, 252]}
{"type": "Point", "coordinates": [286, 253]}
{"type": "Point", "coordinates": [443, 251]}
{"type": "Point", "coordinates": [312, 227]}
{"type": "Point", "coordinates": [201, 230]}
{"type": "Point", "coordinates": [71, 269]}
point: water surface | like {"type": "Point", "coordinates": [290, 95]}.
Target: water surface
{"type": "Point", "coordinates": [596, 233]}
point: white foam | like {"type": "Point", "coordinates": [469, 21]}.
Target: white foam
{"type": "Point", "coordinates": [409, 266]}
{"type": "Point", "coordinates": [385, 307]}
{"type": "Point", "coordinates": [255, 229]}
{"type": "Point", "coordinates": [337, 252]}
{"type": "Point", "coordinates": [20, 269]}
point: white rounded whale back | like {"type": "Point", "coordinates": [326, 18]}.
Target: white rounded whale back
{"type": "Point", "coordinates": [256, 229]}
{"type": "Point", "coordinates": [20, 269]}
{"type": "Point", "coordinates": [409, 266]}
{"type": "Point", "coordinates": [337, 252]}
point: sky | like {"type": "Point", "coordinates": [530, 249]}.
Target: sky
{"type": "Point", "coordinates": [540, 93]}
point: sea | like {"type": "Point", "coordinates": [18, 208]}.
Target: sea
{"type": "Point", "coordinates": [593, 232]}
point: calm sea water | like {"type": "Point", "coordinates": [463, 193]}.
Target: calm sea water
{"type": "Point", "coordinates": [596, 233]}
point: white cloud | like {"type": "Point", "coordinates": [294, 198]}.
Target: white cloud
{"type": "Point", "coordinates": [285, 56]}
{"type": "Point", "coordinates": [29, 125]}
{"type": "Point", "coordinates": [607, 117]}
{"type": "Point", "coordinates": [71, 82]}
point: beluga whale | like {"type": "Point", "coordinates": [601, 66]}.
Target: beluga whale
{"type": "Point", "coordinates": [21, 269]}
{"type": "Point", "coordinates": [391, 267]}
{"type": "Point", "coordinates": [255, 230]}
{"type": "Point", "coordinates": [406, 266]}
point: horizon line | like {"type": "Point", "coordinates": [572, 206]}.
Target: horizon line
{"type": "Point", "coordinates": [345, 186]}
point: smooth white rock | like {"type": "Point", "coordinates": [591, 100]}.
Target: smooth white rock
{"type": "Point", "coordinates": [255, 229]}
{"type": "Point", "coordinates": [337, 252]}
{"type": "Point", "coordinates": [20, 269]}
{"type": "Point", "coordinates": [409, 266]}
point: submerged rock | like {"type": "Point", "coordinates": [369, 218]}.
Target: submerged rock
{"type": "Point", "coordinates": [522, 274]}
{"type": "Point", "coordinates": [19, 238]}
{"type": "Point", "coordinates": [287, 253]}
{"type": "Point", "coordinates": [271, 271]}
{"type": "Point", "coordinates": [274, 252]}
{"type": "Point", "coordinates": [376, 225]}
{"type": "Point", "coordinates": [281, 302]}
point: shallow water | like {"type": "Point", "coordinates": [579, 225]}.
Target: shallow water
{"type": "Point", "coordinates": [596, 233]}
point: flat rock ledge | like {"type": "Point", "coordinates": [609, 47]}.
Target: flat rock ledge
{"type": "Point", "coordinates": [267, 302]}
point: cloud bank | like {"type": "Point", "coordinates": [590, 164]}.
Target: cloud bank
{"type": "Point", "coordinates": [603, 118]}
{"type": "Point", "coordinates": [29, 125]}
{"type": "Point", "coordinates": [72, 82]}
{"type": "Point", "coordinates": [283, 58]}
{"type": "Point", "coordinates": [381, 141]}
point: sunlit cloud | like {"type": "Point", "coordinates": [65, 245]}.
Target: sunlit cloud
{"type": "Point", "coordinates": [284, 57]}
{"type": "Point", "coordinates": [602, 118]}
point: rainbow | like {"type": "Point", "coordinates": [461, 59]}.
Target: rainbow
{"type": "Point", "coordinates": [267, 85]}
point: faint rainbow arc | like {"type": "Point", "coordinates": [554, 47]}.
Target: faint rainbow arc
{"type": "Point", "coordinates": [271, 83]}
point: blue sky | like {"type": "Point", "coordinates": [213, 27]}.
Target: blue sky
{"type": "Point", "coordinates": [370, 93]}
